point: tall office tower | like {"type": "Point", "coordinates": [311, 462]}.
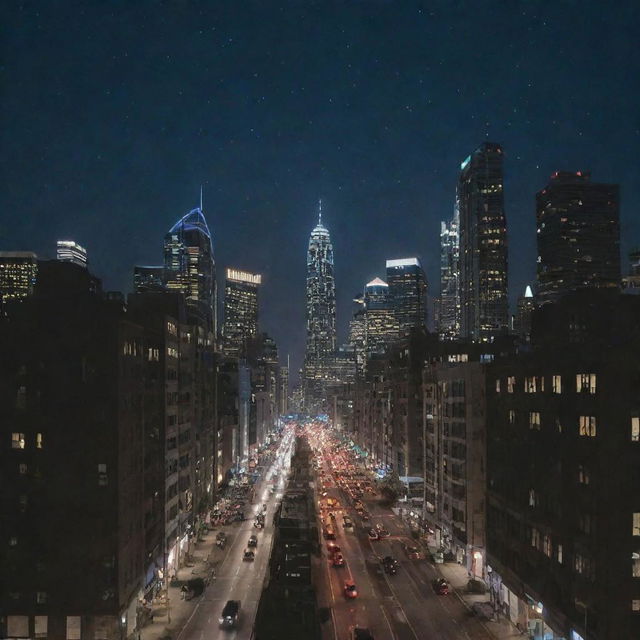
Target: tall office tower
{"type": "Point", "coordinates": [190, 266]}
{"type": "Point", "coordinates": [321, 311]}
{"type": "Point", "coordinates": [578, 235]}
{"type": "Point", "coordinates": [70, 251]}
{"type": "Point", "coordinates": [148, 278]}
{"type": "Point", "coordinates": [484, 305]}
{"type": "Point", "coordinates": [381, 322]}
{"type": "Point", "coordinates": [407, 293]}
{"type": "Point", "coordinates": [240, 311]}
{"type": "Point", "coordinates": [18, 270]}
{"type": "Point", "coordinates": [449, 303]}
{"type": "Point", "coordinates": [358, 335]}
{"type": "Point", "coordinates": [524, 315]}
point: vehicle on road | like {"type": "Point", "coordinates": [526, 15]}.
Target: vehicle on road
{"type": "Point", "coordinates": [230, 614]}
{"type": "Point", "coordinates": [337, 560]}
{"type": "Point", "coordinates": [390, 565]}
{"type": "Point", "coordinates": [249, 556]}
{"type": "Point", "coordinates": [347, 523]}
{"type": "Point", "coordinates": [332, 548]}
{"type": "Point", "coordinates": [373, 534]}
{"type": "Point", "coordinates": [329, 533]}
{"type": "Point", "coordinates": [441, 587]}
{"type": "Point", "coordinates": [350, 589]}
{"type": "Point", "coordinates": [365, 517]}
{"type": "Point", "coordinates": [358, 633]}
{"type": "Point", "coordinates": [382, 532]}
{"type": "Point", "coordinates": [253, 541]}
{"type": "Point", "coordinates": [413, 553]}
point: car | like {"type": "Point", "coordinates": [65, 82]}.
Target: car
{"type": "Point", "coordinates": [365, 516]}
{"type": "Point", "coordinates": [253, 541]}
{"type": "Point", "coordinates": [359, 633]}
{"type": "Point", "coordinates": [413, 553]}
{"type": "Point", "coordinates": [373, 534]}
{"type": "Point", "coordinates": [332, 548]}
{"type": "Point", "coordinates": [230, 614]}
{"type": "Point", "coordinates": [383, 533]}
{"type": "Point", "coordinates": [441, 587]}
{"type": "Point", "coordinates": [350, 589]}
{"type": "Point", "coordinates": [390, 565]}
{"type": "Point", "coordinates": [337, 560]}
{"type": "Point", "coordinates": [249, 556]}
{"type": "Point", "coordinates": [329, 533]}
{"type": "Point", "coordinates": [347, 523]}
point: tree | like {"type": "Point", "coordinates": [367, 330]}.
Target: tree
{"type": "Point", "coordinates": [392, 487]}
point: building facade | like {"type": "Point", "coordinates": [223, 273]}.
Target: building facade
{"type": "Point", "coordinates": [381, 322]}
{"type": "Point", "coordinates": [407, 293]}
{"type": "Point", "coordinates": [578, 224]}
{"type": "Point", "coordinates": [321, 313]}
{"type": "Point", "coordinates": [484, 304]}
{"type": "Point", "coordinates": [18, 273]}
{"type": "Point", "coordinates": [449, 302]}
{"type": "Point", "coordinates": [70, 251]}
{"type": "Point", "coordinates": [240, 310]}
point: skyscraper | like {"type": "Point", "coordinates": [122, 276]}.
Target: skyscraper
{"type": "Point", "coordinates": [578, 235]}
{"type": "Point", "coordinates": [407, 293]}
{"type": "Point", "coordinates": [526, 307]}
{"type": "Point", "coordinates": [381, 321]}
{"type": "Point", "coordinates": [70, 251]}
{"type": "Point", "coordinates": [358, 335]}
{"type": "Point", "coordinates": [190, 266]}
{"type": "Point", "coordinates": [449, 304]}
{"type": "Point", "coordinates": [240, 310]}
{"type": "Point", "coordinates": [321, 311]}
{"type": "Point", "coordinates": [18, 270]}
{"type": "Point", "coordinates": [148, 278]}
{"type": "Point", "coordinates": [483, 245]}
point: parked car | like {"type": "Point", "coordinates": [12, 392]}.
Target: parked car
{"type": "Point", "coordinates": [230, 614]}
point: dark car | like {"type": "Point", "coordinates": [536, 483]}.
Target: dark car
{"type": "Point", "coordinates": [253, 541]}
{"type": "Point", "coordinates": [249, 556]}
{"type": "Point", "coordinates": [441, 587]}
{"type": "Point", "coordinates": [358, 633]}
{"type": "Point", "coordinates": [390, 565]}
{"type": "Point", "coordinates": [230, 614]}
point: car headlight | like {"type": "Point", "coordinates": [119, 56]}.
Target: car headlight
{"type": "Point", "coordinates": [220, 620]}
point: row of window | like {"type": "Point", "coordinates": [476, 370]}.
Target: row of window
{"type": "Point", "coordinates": [585, 383]}
{"type": "Point", "coordinates": [19, 441]}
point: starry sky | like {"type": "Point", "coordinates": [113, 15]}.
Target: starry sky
{"type": "Point", "coordinates": [114, 113]}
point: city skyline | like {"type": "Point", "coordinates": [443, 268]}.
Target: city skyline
{"type": "Point", "coordinates": [336, 106]}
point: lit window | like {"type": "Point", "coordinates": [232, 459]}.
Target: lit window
{"type": "Point", "coordinates": [38, 441]}
{"type": "Point", "coordinates": [535, 538]}
{"type": "Point", "coordinates": [511, 383]}
{"type": "Point", "coordinates": [533, 498]}
{"type": "Point", "coordinates": [512, 416]}
{"type": "Point", "coordinates": [588, 426]}
{"type": "Point", "coordinates": [40, 626]}
{"type": "Point", "coordinates": [530, 384]}
{"type": "Point", "coordinates": [635, 429]}
{"type": "Point", "coordinates": [559, 554]}
{"type": "Point", "coordinates": [17, 440]}
{"type": "Point", "coordinates": [635, 564]}
{"type": "Point", "coordinates": [635, 605]}
{"type": "Point", "coordinates": [497, 385]}
{"type": "Point", "coordinates": [586, 382]}
{"type": "Point", "coordinates": [534, 420]}
{"type": "Point", "coordinates": [583, 474]}
{"type": "Point", "coordinates": [556, 384]}
{"type": "Point", "coordinates": [22, 469]}
{"type": "Point", "coordinates": [41, 597]}
{"type": "Point", "coordinates": [636, 524]}
{"type": "Point", "coordinates": [547, 547]}
{"type": "Point", "coordinates": [13, 542]}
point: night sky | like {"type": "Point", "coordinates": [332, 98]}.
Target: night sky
{"type": "Point", "coordinates": [113, 114]}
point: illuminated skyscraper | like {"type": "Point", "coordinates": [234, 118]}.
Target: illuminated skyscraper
{"type": "Point", "coordinates": [18, 270]}
{"type": "Point", "coordinates": [483, 245]}
{"type": "Point", "coordinates": [148, 278]}
{"type": "Point", "coordinates": [381, 320]}
{"type": "Point", "coordinates": [407, 293]}
{"type": "Point", "coordinates": [240, 311]}
{"type": "Point", "coordinates": [578, 235]}
{"type": "Point", "coordinates": [70, 251]}
{"type": "Point", "coordinates": [190, 266]}
{"type": "Point", "coordinates": [449, 304]}
{"type": "Point", "coordinates": [321, 312]}
{"type": "Point", "coordinates": [358, 335]}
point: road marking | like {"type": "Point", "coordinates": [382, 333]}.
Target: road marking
{"type": "Point", "coordinates": [384, 613]}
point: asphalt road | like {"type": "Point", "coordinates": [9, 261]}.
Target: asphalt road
{"type": "Point", "coordinates": [235, 578]}
{"type": "Point", "coordinates": [393, 607]}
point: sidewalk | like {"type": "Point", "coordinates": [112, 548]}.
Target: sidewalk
{"type": "Point", "coordinates": [169, 619]}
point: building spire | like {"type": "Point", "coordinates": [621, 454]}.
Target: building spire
{"type": "Point", "coordinates": [320, 212]}
{"type": "Point", "coordinates": [200, 197]}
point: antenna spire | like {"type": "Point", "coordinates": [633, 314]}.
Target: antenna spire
{"type": "Point", "coordinates": [200, 197]}
{"type": "Point", "coordinates": [320, 211]}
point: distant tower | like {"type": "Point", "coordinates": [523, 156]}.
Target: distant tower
{"type": "Point", "coordinates": [483, 245]}
{"type": "Point", "coordinates": [321, 311]}
{"type": "Point", "coordinates": [358, 335]}
{"type": "Point", "coordinates": [70, 251]}
{"type": "Point", "coordinates": [631, 282]}
{"type": "Point", "coordinates": [240, 311]}
{"type": "Point", "coordinates": [449, 303]}
{"type": "Point", "coordinates": [189, 265]}
{"type": "Point", "coordinates": [526, 307]}
{"type": "Point", "coordinates": [407, 293]}
{"type": "Point", "coordinates": [381, 322]}
{"type": "Point", "coordinates": [578, 235]}
{"type": "Point", "coordinates": [148, 278]}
